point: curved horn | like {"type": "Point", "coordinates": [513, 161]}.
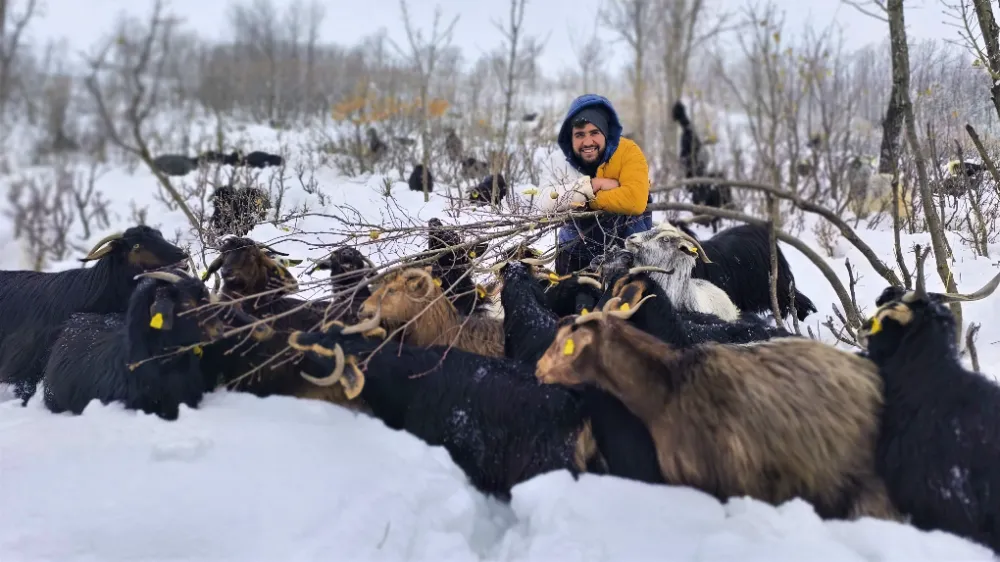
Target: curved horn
{"type": "Point", "coordinates": [693, 240]}
{"type": "Point", "coordinates": [161, 275]}
{"type": "Point", "coordinates": [647, 268]}
{"type": "Point", "coordinates": [264, 246]}
{"type": "Point", "coordinates": [982, 293]}
{"type": "Point", "coordinates": [420, 272]}
{"type": "Point", "coordinates": [97, 252]}
{"type": "Point", "coordinates": [541, 261]}
{"type": "Point", "coordinates": [589, 281]}
{"type": "Point", "coordinates": [370, 263]}
{"type": "Point", "coordinates": [213, 267]}
{"type": "Point", "coordinates": [365, 325]}
{"type": "Point", "coordinates": [626, 314]}
{"type": "Point", "coordinates": [334, 377]}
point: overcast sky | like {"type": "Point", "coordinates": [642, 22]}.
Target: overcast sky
{"type": "Point", "coordinates": [83, 22]}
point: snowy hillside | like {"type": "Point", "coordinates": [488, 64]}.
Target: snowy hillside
{"type": "Point", "coordinates": [248, 479]}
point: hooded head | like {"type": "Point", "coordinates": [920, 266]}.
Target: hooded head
{"type": "Point", "coordinates": [591, 131]}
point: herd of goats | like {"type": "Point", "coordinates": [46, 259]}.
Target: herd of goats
{"type": "Point", "coordinates": [655, 363]}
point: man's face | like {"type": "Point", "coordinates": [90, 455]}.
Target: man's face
{"type": "Point", "coordinates": [588, 143]}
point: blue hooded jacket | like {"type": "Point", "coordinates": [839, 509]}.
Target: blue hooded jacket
{"type": "Point", "coordinates": [596, 229]}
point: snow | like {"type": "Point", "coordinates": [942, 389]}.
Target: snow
{"type": "Point", "coordinates": [249, 479]}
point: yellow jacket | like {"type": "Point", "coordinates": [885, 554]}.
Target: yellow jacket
{"type": "Point", "coordinates": [628, 166]}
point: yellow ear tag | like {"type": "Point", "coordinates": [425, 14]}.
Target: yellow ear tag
{"type": "Point", "coordinates": [475, 196]}
{"type": "Point", "coordinates": [472, 254]}
{"type": "Point", "coordinates": [156, 322]}
{"type": "Point", "coordinates": [198, 351]}
{"type": "Point", "coordinates": [437, 281]}
{"type": "Point", "coordinates": [694, 249]}
{"type": "Point", "coordinates": [624, 306]}
{"type": "Point", "coordinates": [553, 277]}
{"type": "Point", "coordinates": [569, 347]}
{"type": "Point", "coordinates": [374, 235]}
{"type": "Point", "coordinates": [584, 311]}
{"type": "Point", "coordinates": [481, 291]}
{"type": "Point", "coordinates": [876, 326]}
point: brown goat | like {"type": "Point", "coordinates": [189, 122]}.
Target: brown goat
{"type": "Point", "coordinates": [784, 418]}
{"type": "Point", "coordinates": [412, 299]}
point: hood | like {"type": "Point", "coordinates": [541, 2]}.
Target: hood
{"type": "Point", "coordinates": [613, 135]}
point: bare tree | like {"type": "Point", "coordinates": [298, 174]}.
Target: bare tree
{"type": "Point", "coordinates": [423, 57]}
{"type": "Point", "coordinates": [591, 56]}
{"type": "Point", "coordinates": [12, 28]}
{"type": "Point", "coordinates": [134, 66]}
{"type": "Point", "coordinates": [634, 22]}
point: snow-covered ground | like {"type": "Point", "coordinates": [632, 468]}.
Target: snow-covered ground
{"type": "Point", "coordinates": [249, 479]}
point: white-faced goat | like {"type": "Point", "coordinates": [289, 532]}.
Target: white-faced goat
{"type": "Point", "coordinates": [939, 447]}
{"type": "Point", "coordinates": [674, 253]}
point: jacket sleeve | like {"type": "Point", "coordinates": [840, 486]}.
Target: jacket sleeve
{"type": "Point", "coordinates": [630, 197]}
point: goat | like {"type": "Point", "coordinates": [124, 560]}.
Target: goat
{"type": "Point", "coordinates": [32, 303]}
{"type": "Point", "coordinates": [175, 164]}
{"type": "Point", "coordinates": [938, 447]}
{"type": "Point", "coordinates": [237, 210]}
{"type": "Point", "coordinates": [412, 300]}
{"type": "Point", "coordinates": [346, 266]}
{"type": "Point", "coordinates": [261, 159]}
{"type": "Point", "coordinates": [147, 358]}
{"type": "Point", "coordinates": [452, 266]}
{"type": "Point", "coordinates": [416, 181]}
{"type": "Point", "coordinates": [741, 266]}
{"type": "Point", "coordinates": [497, 423]}
{"type": "Point", "coordinates": [694, 161]}
{"type": "Point", "coordinates": [258, 283]}
{"type": "Point", "coordinates": [775, 420]}
{"type": "Point", "coordinates": [674, 253]}
{"type": "Point", "coordinates": [473, 169]}
{"type": "Point", "coordinates": [376, 148]}
{"type": "Point", "coordinates": [453, 145]}
{"type": "Point", "coordinates": [482, 193]}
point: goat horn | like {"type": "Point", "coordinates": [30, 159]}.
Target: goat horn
{"type": "Point", "coordinates": [334, 377]}
{"type": "Point", "coordinates": [365, 325]}
{"type": "Point", "coordinates": [370, 263]}
{"type": "Point", "coordinates": [539, 261]}
{"type": "Point", "coordinates": [647, 268]}
{"type": "Point", "coordinates": [921, 286]}
{"type": "Point", "coordinates": [626, 314]}
{"type": "Point", "coordinates": [264, 246]}
{"type": "Point", "coordinates": [161, 275]}
{"type": "Point", "coordinates": [213, 267]}
{"type": "Point", "coordinates": [97, 252]}
{"type": "Point", "coordinates": [589, 281]}
{"type": "Point", "coordinates": [589, 274]}
{"type": "Point", "coordinates": [420, 272]}
{"type": "Point", "coordinates": [982, 293]}
{"type": "Point", "coordinates": [701, 251]}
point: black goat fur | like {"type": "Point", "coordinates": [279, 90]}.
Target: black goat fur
{"type": "Point", "coordinates": [33, 303]}
{"type": "Point", "coordinates": [693, 161]}
{"type": "Point", "coordinates": [498, 424]}
{"type": "Point", "coordinates": [416, 181]}
{"type": "Point", "coordinates": [122, 358]}
{"type": "Point", "coordinates": [482, 193]}
{"type": "Point", "coordinates": [742, 268]}
{"type": "Point", "coordinates": [347, 268]}
{"type": "Point", "coordinates": [452, 266]}
{"type": "Point", "coordinates": [939, 445]}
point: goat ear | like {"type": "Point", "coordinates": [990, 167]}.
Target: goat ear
{"type": "Point", "coordinates": [161, 314]}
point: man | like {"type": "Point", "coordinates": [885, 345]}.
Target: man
{"type": "Point", "coordinates": [618, 177]}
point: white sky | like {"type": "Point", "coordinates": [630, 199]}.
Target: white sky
{"type": "Point", "coordinates": [83, 22]}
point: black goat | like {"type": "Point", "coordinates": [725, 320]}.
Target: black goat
{"type": "Point", "coordinates": [261, 159]}
{"type": "Point", "coordinates": [237, 210]}
{"type": "Point", "coordinates": [939, 445]}
{"type": "Point", "coordinates": [694, 161]}
{"type": "Point", "coordinates": [376, 148]}
{"type": "Point", "coordinates": [33, 303]}
{"type": "Point", "coordinates": [741, 266]}
{"type": "Point", "coordinates": [175, 164]}
{"type": "Point", "coordinates": [472, 169]}
{"type": "Point", "coordinates": [416, 181]}
{"type": "Point", "coordinates": [347, 267]}
{"type": "Point", "coordinates": [452, 266]}
{"type": "Point", "coordinates": [482, 193]}
{"type": "Point", "coordinates": [453, 145]}
{"type": "Point", "coordinates": [146, 358]}
{"type": "Point", "coordinates": [500, 426]}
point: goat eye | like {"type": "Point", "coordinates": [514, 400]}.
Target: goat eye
{"type": "Point", "coordinates": [136, 247]}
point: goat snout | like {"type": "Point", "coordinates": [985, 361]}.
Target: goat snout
{"type": "Point", "coordinates": [633, 241]}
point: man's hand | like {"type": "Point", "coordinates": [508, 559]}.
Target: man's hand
{"type": "Point", "coordinates": [603, 183]}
